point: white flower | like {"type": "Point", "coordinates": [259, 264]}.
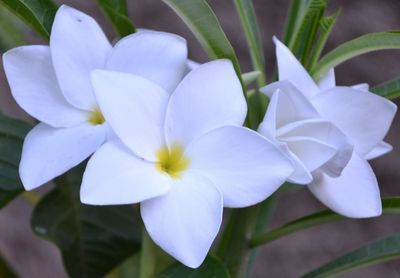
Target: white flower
{"type": "Point", "coordinates": [329, 132]}
{"type": "Point", "coordinates": [52, 83]}
{"type": "Point", "coordinates": [183, 157]}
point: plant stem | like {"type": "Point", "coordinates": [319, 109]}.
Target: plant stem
{"type": "Point", "coordinates": [147, 256]}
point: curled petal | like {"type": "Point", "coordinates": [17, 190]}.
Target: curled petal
{"type": "Point", "coordinates": [158, 56]}
{"type": "Point", "coordinates": [35, 87]}
{"type": "Point", "coordinates": [380, 149]}
{"type": "Point", "coordinates": [185, 221]}
{"type": "Point", "coordinates": [354, 194]}
{"type": "Point", "coordinates": [115, 176]}
{"type": "Point", "coordinates": [78, 46]}
{"type": "Point", "coordinates": [246, 167]}
{"type": "Point", "coordinates": [49, 152]}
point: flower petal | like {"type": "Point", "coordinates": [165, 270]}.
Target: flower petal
{"type": "Point", "coordinates": [78, 46]}
{"type": "Point", "coordinates": [246, 167]}
{"type": "Point", "coordinates": [354, 194]}
{"type": "Point", "coordinates": [313, 153]}
{"type": "Point", "coordinates": [134, 107]}
{"type": "Point", "coordinates": [209, 97]}
{"type": "Point", "coordinates": [115, 176]}
{"type": "Point", "coordinates": [185, 221]}
{"type": "Point", "coordinates": [290, 104]}
{"type": "Point", "coordinates": [364, 117]}
{"type": "Point", "coordinates": [35, 88]}
{"type": "Point", "coordinates": [326, 132]}
{"type": "Point", "coordinates": [290, 69]}
{"type": "Point", "coordinates": [380, 149]}
{"type": "Point", "coordinates": [361, 87]}
{"type": "Point", "coordinates": [49, 152]}
{"type": "Point", "coordinates": [328, 81]}
{"type": "Point", "coordinates": [158, 56]}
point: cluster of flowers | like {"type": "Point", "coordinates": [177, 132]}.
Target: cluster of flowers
{"type": "Point", "coordinates": [168, 134]}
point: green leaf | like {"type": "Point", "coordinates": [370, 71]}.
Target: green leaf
{"type": "Point", "coordinates": [361, 45]}
{"type": "Point", "coordinates": [5, 269]}
{"type": "Point", "coordinates": [202, 21]}
{"type": "Point", "coordinates": [250, 77]}
{"type": "Point", "coordinates": [389, 206]}
{"type": "Point", "coordinates": [248, 20]}
{"type": "Point", "coordinates": [390, 89]}
{"type": "Point", "coordinates": [12, 30]}
{"type": "Point", "coordinates": [326, 25]}
{"type": "Point", "coordinates": [306, 31]}
{"type": "Point", "coordinates": [38, 14]}
{"type": "Point", "coordinates": [371, 253]}
{"type": "Point", "coordinates": [211, 268]}
{"type": "Point", "coordinates": [12, 134]}
{"type": "Point", "coordinates": [92, 239]}
{"type": "Point", "coordinates": [293, 18]}
{"type": "Point", "coordinates": [117, 12]}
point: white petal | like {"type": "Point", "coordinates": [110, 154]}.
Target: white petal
{"type": "Point", "coordinates": [246, 167]}
{"type": "Point", "coordinates": [326, 132]}
{"type": "Point", "coordinates": [78, 46]}
{"type": "Point", "coordinates": [191, 65]}
{"type": "Point", "coordinates": [291, 105]}
{"type": "Point", "coordinates": [328, 81]}
{"type": "Point", "coordinates": [380, 149]}
{"type": "Point", "coordinates": [354, 194]}
{"type": "Point", "coordinates": [300, 175]}
{"type": "Point", "coordinates": [364, 117]}
{"type": "Point", "coordinates": [290, 69]}
{"type": "Point", "coordinates": [158, 56]}
{"type": "Point", "coordinates": [34, 86]}
{"type": "Point", "coordinates": [135, 109]}
{"type": "Point", "coordinates": [49, 152]}
{"type": "Point", "coordinates": [185, 221]}
{"type": "Point", "coordinates": [209, 97]}
{"type": "Point", "coordinates": [361, 87]}
{"type": "Point", "coordinates": [312, 153]}
{"type": "Point", "coordinates": [115, 176]}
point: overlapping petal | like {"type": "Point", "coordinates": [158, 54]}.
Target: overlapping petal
{"type": "Point", "coordinates": [135, 108]}
{"type": "Point", "coordinates": [246, 167]}
{"type": "Point", "coordinates": [289, 68]}
{"type": "Point", "coordinates": [354, 194]}
{"type": "Point", "coordinates": [78, 46]}
{"type": "Point", "coordinates": [380, 149]}
{"type": "Point", "coordinates": [364, 117]}
{"type": "Point", "coordinates": [48, 152]}
{"type": "Point", "coordinates": [158, 56]}
{"type": "Point", "coordinates": [209, 97]}
{"type": "Point", "coordinates": [185, 221]}
{"type": "Point", "coordinates": [34, 86]}
{"type": "Point", "coordinates": [115, 176]}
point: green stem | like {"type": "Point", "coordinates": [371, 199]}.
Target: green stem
{"type": "Point", "coordinates": [31, 197]}
{"type": "Point", "coordinates": [147, 256]}
{"type": "Point", "coordinates": [389, 206]}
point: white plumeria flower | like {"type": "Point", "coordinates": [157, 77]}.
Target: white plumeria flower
{"type": "Point", "coordinates": [52, 84]}
{"type": "Point", "coordinates": [330, 132]}
{"type": "Point", "coordinates": [183, 157]}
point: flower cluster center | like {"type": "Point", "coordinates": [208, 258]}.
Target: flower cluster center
{"type": "Point", "coordinates": [172, 161]}
{"type": "Point", "coordinates": [95, 117]}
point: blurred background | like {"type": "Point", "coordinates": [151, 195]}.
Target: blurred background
{"type": "Point", "coordinates": [295, 254]}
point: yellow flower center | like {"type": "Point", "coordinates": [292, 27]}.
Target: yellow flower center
{"type": "Point", "coordinates": [95, 117]}
{"type": "Point", "coordinates": [172, 161]}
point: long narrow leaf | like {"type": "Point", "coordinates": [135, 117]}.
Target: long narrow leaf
{"type": "Point", "coordinates": [202, 21]}
{"type": "Point", "coordinates": [371, 253]}
{"type": "Point", "coordinates": [305, 34]}
{"type": "Point", "coordinates": [293, 18]}
{"type": "Point", "coordinates": [390, 89]}
{"type": "Point", "coordinates": [12, 30]}
{"type": "Point", "coordinates": [361, 45]}
{"type": "Point", "coordinates": [248, 20]}
{"type": "Point", "coordinates": [39, 15]}
{"type": "Point", "coordinates": [389, 206]}
{"type": "Point", "coordinates": [117, 12]}
{"type": "Point", "coordinates": [326, 25]}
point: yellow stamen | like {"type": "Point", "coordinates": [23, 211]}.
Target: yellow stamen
{"type": "Point", "coordinates": [172, 161]}
{"type": "Point", "coordinates": [95, 117]}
